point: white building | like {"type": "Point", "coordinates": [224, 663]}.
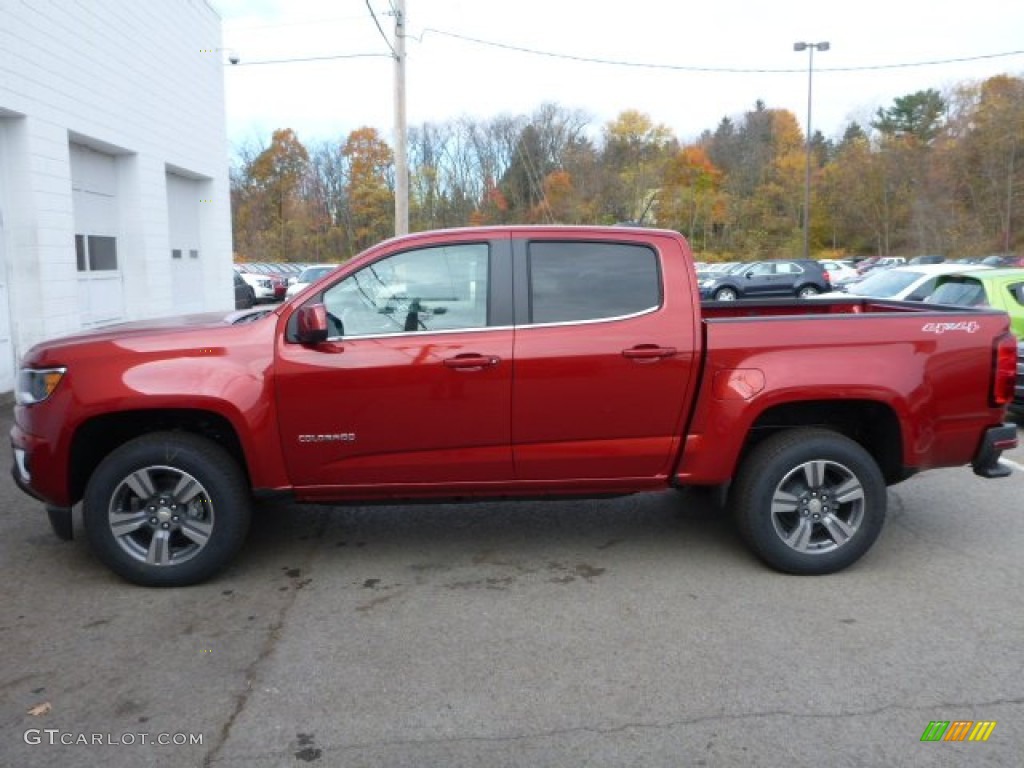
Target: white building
{"type": "Point", "coordinates": [114, 198]}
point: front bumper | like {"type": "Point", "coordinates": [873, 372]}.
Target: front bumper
{"type": "Point", "coordinates": [993, 443]}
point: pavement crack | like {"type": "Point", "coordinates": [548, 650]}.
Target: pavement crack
{"type": "Point", "coordinates": [269, 645]}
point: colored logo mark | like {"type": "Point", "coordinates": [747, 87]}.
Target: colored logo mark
{"type": "Point", "coordinates": [958, 730]}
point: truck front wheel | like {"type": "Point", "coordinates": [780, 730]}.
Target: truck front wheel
{"type": "Point", "coordinates": [809, 501]}
{"type": "Point", "coordinates": [168, 509]}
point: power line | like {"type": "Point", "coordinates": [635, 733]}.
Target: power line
{"type": "Point", "coordinates": [695, 68]}
{"type": "Point", "coordinates": [316, 58]}
{"type": "Point", "coordinates": [381, 29]}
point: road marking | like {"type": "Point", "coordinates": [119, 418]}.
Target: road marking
{"type": "Point", "coordinates": [1012, 464]}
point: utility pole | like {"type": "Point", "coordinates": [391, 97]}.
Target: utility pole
{"type": "Point", "coordinates": [401, 163]}
{"type": "Point", "coordinates": [810, 48]}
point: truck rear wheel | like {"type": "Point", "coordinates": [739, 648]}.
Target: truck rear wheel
{"type": "Point", "coordinates": [168, 509]}
{"type": "Point", "coordinates": [809, 501]}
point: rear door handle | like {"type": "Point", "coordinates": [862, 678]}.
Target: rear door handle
{"type": "Point", "coordinates": [649, 352]}
{"type": "Point", "coordinates": [471, 362]}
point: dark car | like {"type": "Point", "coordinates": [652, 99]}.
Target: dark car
{"type": "Point", "coordinates": [1003, 261]}
{"type": "Point", "coordinates": [764, 279]}
{"type": "Point", "coordinates": [245, 296]}
{"type": "Point", "coordinates": [1017, 406]}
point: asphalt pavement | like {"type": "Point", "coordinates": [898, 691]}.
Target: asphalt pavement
{"type": "Point", "coordinates": [629, 632]}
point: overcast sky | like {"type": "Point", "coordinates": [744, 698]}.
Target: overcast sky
{"type": "Point", "coordinates": [450, 76]}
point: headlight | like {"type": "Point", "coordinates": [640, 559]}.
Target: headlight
{"type": "Point", "coordinates": [707, 283]}
{"type": "Point", "coordinates": [37, 384]}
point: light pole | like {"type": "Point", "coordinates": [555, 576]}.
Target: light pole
{"type": "Point", "coordinates": [810, 48]}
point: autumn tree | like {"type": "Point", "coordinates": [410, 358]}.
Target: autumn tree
{"type": "Point", "coordinates": [369, 188]}
{"type": "Point", "coordinates": [931, 173]}
{"type": "Point", "coordinates": [635, 153]}
{"type": "Point", "coordinates": [689, 200]}
{"type": "Point", "coordinates": [988, 164]}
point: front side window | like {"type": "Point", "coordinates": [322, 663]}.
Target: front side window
{"type": "Point", "coordinates": [762, 269]}
{"type": "Point", "coordinates": [572, 282]}
{"type": "Point", "coordinates": [442, 288]}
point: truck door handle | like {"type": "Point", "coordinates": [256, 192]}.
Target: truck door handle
{"type": "Point", "coordinates": [648, 352]}
{"type": "Point", "coordinates": [471, 362]}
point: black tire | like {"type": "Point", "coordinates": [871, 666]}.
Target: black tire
{"type": "Point", "coordinates": [806, 291]}
{"type": "Point", "coordinates": [726, 294]}
{"type": "Point", "coordinates": [180, 506]}
{"type": "Point", "coordinates": [809, 501]}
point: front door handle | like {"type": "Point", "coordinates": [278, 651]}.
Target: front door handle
{"type": "Point", "coordinates": [648, 352]}
{"type": "Point", "coordinates": [471, 362]}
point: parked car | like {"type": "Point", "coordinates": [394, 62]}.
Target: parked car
{"type": "Point", "coordinates": [267, 288]}
{"type": "Point", "coordinates": [764, 279]}
{"type": "Point", "coordinates": [899, 283]}
{"type": "Point", "coordinates": [1003, 261]}
{"type": "Point", "coordinates": [245, 295]}
{"type": "Point", "coordinates": [309, 275]}
{"type": "Point", "coordinates": [997, 288]}
{"type": "Point", "coordinates": [839, 271]}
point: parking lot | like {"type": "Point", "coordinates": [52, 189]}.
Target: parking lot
{"type": "Point", "coordinates": [628, 632]}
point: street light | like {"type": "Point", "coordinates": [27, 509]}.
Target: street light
{"type": "Point", "coordinates": [810, 48]}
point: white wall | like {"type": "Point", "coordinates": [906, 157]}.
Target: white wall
{"type": "Point", "coordinates": [141, 85]}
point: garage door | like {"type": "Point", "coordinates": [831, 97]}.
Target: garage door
{"type": "Point", "coordinates": [183, 196]}
{"type": "Point", "coordinates": [94, 196]}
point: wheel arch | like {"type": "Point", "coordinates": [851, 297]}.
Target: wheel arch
{"type": "Point", "coordinates": [872, 424]}
{"type": "Point", "coordinates": [97, 437]}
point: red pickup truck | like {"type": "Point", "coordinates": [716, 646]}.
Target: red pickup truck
{"type": "Point", "coordinates": [508, 362]}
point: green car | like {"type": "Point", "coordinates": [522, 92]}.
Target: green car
{"type": "Point", "coordinates": [997, 288]}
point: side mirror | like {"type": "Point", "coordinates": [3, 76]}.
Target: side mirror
{"type": "Point", "coordinates": [311, 324]}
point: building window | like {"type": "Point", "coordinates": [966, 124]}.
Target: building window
{"type": "Point", "coordinates": [95, 253]}
{"type": "Point", "coordinates": [176, 253]}
{"type": "Point", "coordinates": [193, 254]}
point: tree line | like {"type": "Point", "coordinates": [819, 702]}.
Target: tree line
{"type": "Point", "coordinates": [932, 173]}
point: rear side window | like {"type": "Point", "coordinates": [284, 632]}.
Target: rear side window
{"type": "Point", "coordinates": [964, 293]}
{"type": "Point", "coordinates": [573, 282]}
{"type": "Point", "coordinates": [1017, 291]}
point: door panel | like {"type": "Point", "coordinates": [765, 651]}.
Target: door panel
{"type": "Point", "coordinates": [391, 411]}
{"type": "Point", "coordinates": [601, 398]}
{"type": "Point", "coordinates": [414, 386]}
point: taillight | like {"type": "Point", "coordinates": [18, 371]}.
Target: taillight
{"type": "Point", "coordinates": [1005, 373]}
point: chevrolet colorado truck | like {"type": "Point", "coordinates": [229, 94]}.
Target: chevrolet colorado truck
{"type": "Point", "coordinates": [508, 362]}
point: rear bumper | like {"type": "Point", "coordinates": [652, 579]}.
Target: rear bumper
{"type": "Point", "coordinates": [993, 443]}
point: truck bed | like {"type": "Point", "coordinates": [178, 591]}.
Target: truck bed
{"type": "Point", "coordinates": [728, 310]}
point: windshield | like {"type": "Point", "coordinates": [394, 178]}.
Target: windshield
{"type": "Point", "coordinates": [312, 274]}
{"type": "Point", "coordinates": [884, 285]}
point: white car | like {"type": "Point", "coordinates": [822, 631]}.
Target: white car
{"type": "Point", "coordinates": [838, 271]}
{"type": "Point", "coordinates": [264, 287]}
{"type": "Point", "coordinates": [309, 275]}
{"type": "Point", "coordinates": [907, 283]}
